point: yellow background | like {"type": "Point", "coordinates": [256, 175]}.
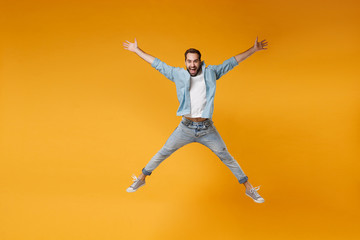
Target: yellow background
{"type": "Point", "coordinates": [80, 115]}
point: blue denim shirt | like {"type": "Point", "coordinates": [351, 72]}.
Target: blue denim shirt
{"type": "Point", "coordinates": [181, 78]}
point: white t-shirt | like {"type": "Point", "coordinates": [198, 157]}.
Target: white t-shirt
{"type": "Point", "coordinates": [197, 95]}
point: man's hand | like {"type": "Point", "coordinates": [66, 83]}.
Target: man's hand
{"type": "Point", "coordinates": [133, 47]}
{"type": "Point", "coordinates": [259, 45]}
{"type": "Point", "coordinates": [130, 46]}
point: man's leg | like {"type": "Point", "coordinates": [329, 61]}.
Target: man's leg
{"type": "Point", "coordinates": [176, 140]}
{"type": "Point", "coordinates": [216, 144]}
{"type": "Point", "coordinates": [213, 140]}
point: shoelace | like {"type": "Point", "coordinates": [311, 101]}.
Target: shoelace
{"type": "Point", "coordinates": [134, 177]}
{"type": "Point", "coordinates": [254, 190]}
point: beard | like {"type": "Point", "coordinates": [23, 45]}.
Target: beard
{"type": "Point", "coordinates": [197, 70]}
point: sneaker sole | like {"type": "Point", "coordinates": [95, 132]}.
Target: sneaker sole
{"type": "Point", "coordinates": [257, 201]}
{"type": "Point", "coordinates": [134, 190]}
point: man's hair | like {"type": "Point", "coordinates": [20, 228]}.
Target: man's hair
{"type": "Point", "coordinates": [193, 50]}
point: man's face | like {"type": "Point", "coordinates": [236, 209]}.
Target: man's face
{"type": "Point", "coordinates": [193, 64]}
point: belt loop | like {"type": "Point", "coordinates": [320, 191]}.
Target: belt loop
{"type": "Point", "coordinates": [186, 121]}
{"type": "Point", "coordinates": [206, 122]}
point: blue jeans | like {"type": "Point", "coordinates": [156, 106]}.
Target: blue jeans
{"type": "Point", "coordinates": [202, 132]}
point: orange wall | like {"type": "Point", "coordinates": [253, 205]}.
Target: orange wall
{"type": "Point", "coordinates": [79, 115]}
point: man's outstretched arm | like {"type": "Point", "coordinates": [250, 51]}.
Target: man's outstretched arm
{"type": "Point", "coordinates": [133, 47]}
{"type": "Point", "coordinates": [162, 67]}
{"type": "Point", "coordinates": [257, 47]}
{"type": "Point", "coordinates": [229, 64]}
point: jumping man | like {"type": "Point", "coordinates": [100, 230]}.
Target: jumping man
{"type": "Point", "coordinates": [195, 89]}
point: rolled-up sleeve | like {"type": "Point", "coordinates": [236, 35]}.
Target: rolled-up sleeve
{"type": "Point", "coordinates": [223, 68]}
{"type": "Point", "coordinates": [164, 69]}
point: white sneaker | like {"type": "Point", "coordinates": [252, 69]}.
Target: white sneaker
{"type": "Point", "coordinates": [137, 183]}
{"type": "Point", "coordinates": [254, 195]}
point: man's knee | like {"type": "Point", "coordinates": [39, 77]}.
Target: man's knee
{"type": "Point", "coordinates": [167, 151]}
{"type": "Point", "coordinates": [223, 154]}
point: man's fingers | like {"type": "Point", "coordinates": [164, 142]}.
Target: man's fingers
{"type": "Point", "coordinates": [128, 41]}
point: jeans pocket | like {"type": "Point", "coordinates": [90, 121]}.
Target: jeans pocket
{"type": "Point", "coordinates": [182, 127]}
